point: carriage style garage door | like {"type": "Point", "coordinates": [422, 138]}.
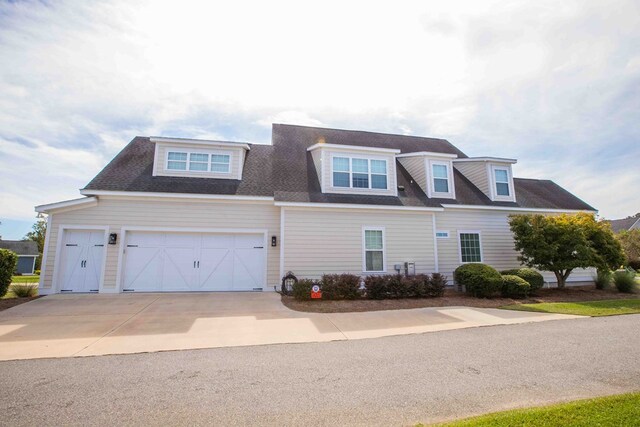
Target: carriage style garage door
{"type": "Point", "coordinates": [183, 262]}
{"type": "Point", "coordinates": [81, 260]}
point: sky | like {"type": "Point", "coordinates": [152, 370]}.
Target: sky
{"type": "Point", "coordinates": [553, 84]}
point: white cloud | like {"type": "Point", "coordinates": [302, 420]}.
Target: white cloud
{"type": "Point", "coordinates": [546, 82]}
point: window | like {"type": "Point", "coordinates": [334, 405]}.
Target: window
{"type": "Point", "coordinates": [373, 249]}
{"type": "Point", "coordinates": [220, 163]}
{"type": "Point", "coordinates": [440, 178]}
{"type": "Point", "coordinates": [470, 250]}
{"type": "Point", "coordinates": [177, 161]}
{"type": "Point", "coordinates": [359, 173]}
{"type": "Point", "coordinates": [502, 182]}
{"type": "Point", "coordinates": [198, 162]}
{"type": "Point", "coordinates": [442, 234]}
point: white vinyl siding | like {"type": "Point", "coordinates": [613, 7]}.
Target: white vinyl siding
{"type": "Point", "coordinates": [496, 241]}
{"type": "Point", "coordinates": [319, 241]}
{"type": "Point", "coordinates": [416, 168]}
{"type": "Point", "coordinates": [120, 212]}
{"type": "Point", "coordinates": [196, 160]}
{"type": "Point", "coordinates": [476, 172]}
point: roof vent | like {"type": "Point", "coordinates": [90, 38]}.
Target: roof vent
{"type": "Point", "coordinates": [400, 187]}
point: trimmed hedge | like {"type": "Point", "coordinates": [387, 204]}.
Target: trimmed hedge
{"type": "Point", "coordinates": [532, 277]}
{"type": "Point", "coordinates": [625, 280]}
{"type": "Point", "coordinates": [514, 286]}
{"type": "Point", "coordinates": [302, 289]}
{"type": "Point", "coordinates": [479, 280]}
{"type": "Point", "coordinates": [8, 261]}
{"type": "Point", "coordinates": [397, 286]}
{"type": "Point", "coordinates": [340, 286]}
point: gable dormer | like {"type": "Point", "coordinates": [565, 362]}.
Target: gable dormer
{"type": "Point", "coordinates": [432, 171]}
{"type": "Point", "coordinates": [492, 175]}
{"type": "Point", "coordinates": [349, 169]}
{"type": "Point", "coordinates": [196, 158]}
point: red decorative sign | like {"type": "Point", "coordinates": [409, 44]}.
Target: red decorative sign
{"type": "Point", "coordinates": [316, 293]}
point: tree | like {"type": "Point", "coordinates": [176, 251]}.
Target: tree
{"type": "Point", "coordinates": [630, 241]}
{"type": "Point", "coordinates": [37, 234]}
{"type": "Point", "coordinates": [562, 243]}
{"type": "Point", "coordinates": [39, 230]}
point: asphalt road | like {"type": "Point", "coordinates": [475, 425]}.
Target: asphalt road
{"type": "Point", "coordinates": [386, 381]}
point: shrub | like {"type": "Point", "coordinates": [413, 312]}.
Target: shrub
{"type": "Point", "coordinates": [302, 289]}
{"type": "Point", "coordinates": [515, 286]}
{"type": "Point", "coordinates": [414, 286]}
{"type": "Point", "coordinates": [340, 286]}
{"type": "Point", "coordinates": [532, 277]}
{"type": "Point", "coordinates": [24, 290]}
{"type": "Point", "coordinates": [635, 264]}
{"type": "Point", "coordinates": [479, 280]}
{"type": "Point", "coordinates": [603, 278]}
{"type": "Point", "coordinates": [8, 261]}
{"type": "Point", "coordinates": [36, 272]}
{"type": "Point", "coordinates": [625, 280]}
{"type": "Point", "coordinates": [376, 287]}
{"type": "Point", "coordinates": [435, 286]}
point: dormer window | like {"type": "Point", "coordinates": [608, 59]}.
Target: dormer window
{"type": "Point", "coordinates": [440, 178]}
{"type": "Point", "coordinates": [198, 161]}
{"type": "Point", "coordinates": [502, 182]}
{"type": "Point", "coordinates": [353, 172]}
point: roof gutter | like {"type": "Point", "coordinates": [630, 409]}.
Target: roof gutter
{"type": "Point", "coordinates": [517, 209]}
{"type": "Point", "coordinates": [357, 206]}
{"type": "Point", "coordinates": [107, 193]}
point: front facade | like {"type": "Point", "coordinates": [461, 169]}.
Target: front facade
{"type": "Point", "coordinates": [171, 214]}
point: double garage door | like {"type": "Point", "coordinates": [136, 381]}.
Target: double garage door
{"type": "Point", "coordinates": [183, 262]}
{"type": "Point", "coordinates": [157, 262]}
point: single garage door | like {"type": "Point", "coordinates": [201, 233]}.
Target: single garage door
{"type": "Point", "coordinates": [193, 262]}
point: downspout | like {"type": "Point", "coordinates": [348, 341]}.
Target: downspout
{"type": "Point", "coordinates": [435, 244]}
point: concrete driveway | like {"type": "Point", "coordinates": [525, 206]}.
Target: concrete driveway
{"type": "Point", "coordinates": [89, 325]}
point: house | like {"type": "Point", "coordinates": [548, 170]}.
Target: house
{"type": "Point", "coordinates": [626, 224]}
{"type": "Point", "coordinates": [27, 251]}
{"type": "Point", "coordinates": [173, 214]}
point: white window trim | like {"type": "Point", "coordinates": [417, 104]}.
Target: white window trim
{"type": "Point", "coordinates": [364, 249]}
{"type": "Point", "coordinates": [430, 184]}
{"type": "Point", "coordinates": [491, 170]}
{"type": "Point", "coordinates": [460, 246]}
{"type": "Point", "coordinates": [368, 159]}
{"type": "Point", "coordinates": [443, 232]}
{"type": "Point", "coordinates": [189, 152]}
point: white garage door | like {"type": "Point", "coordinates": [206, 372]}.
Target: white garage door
{"type": "Point", "coordinates": [81, 260]}
{"type": "Point", "coordinates": [184, 262]}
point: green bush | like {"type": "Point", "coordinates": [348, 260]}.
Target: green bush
{"type": "Point", "coordinates": [625, 280]}
{"type": "Point", "coordinates": [24, 290]}
{"type": "Point", "coordinates": [532, 277]}
{"type": "Point", "coordinates": [302, 289]}
{"type": "Point", "coordinates": [8, 261]}
{"type": "Point", "coordinates": [515, 286]}
{"type": "Point", "coordinates": [479, 280]}
{"type": "Point", "coordinates": [603, 278]}
{"type": "Point", "coordinates": [36, 272]}
{"type": "Point", "coordinates": [340, 286]}
{"type": "Point", "coordinates": [435, 286]}
{"type": "Point", "coordinates": [376, 287]}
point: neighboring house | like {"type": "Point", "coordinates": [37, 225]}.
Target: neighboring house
{"type": "Point", "coordinates": [27, 251]}
{"type": "Point", "coordinates": [625, 224]}
{"type": "Point", "coordinates": [172, 214]}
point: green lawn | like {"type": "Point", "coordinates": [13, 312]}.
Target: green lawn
{"type": "Point", "coordinates": [614, 411]}
{"type": "Point", "coordinates": [25, 279]}
{"type": "Point", "coordinates": [585, 308]}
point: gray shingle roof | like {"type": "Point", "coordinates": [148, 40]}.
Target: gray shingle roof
{"type": "Point", "coordinates": [20, 247]}
{"type": "Point", "coordinates": [285, 170]}
{"type": "Point", "coordinates": [618, 225]}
